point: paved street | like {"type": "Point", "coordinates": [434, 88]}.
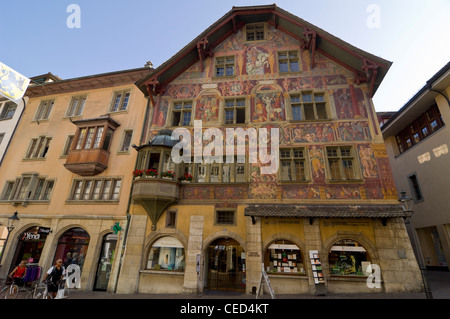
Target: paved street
{"type": "Point", "coordinates": [439, 282]}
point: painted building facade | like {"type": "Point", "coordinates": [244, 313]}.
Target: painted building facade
{"type": "Point", "coordinates": [332, 200]}
{"type": "Point", "coordinates": [67, 174]}
{"type": "Point", "coordinates": [417, 144]}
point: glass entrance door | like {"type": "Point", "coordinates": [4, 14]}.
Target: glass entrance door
{"type": "Point", "coordinates": [226, 265]}
{"type": "Point", "coordinates": [105, 262]}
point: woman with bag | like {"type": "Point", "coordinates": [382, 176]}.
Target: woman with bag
{"type": "Point", "coordinates": [54, 276]}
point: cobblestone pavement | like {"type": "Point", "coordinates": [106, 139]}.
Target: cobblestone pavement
{"type": "Point", "coordinates": [439, 282]}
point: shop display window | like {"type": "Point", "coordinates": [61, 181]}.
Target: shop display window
{"type": "Point", "coordinates": [72, 247]}
{"type": "Point", "coordinates": [284, 257]}
{"type": "Point", "coordinates": [348, 258]}
{"type": "Point", "coordinates": [167, 253]}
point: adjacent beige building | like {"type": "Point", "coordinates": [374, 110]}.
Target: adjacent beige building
{"type": "Point", "coordinates": [417, 141]}
{"type": "Point", "coordinates": [67, 173]}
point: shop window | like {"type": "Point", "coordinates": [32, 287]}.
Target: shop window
{"type": "Point", "coordinates": [166, 253]}
{"type": "Point", "coordinates": [284, 257]}
{"type": "Point", "coordinates": [30, 245]}
{"type": "Point", "coordinates": [348, 258]}
{"type": "Point", "coordinates": [72, 247]}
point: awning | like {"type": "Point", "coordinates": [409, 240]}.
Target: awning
{"type": "Point", "coordinates": [316, 210]}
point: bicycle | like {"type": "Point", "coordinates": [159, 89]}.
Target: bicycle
{"type": "Point", "coordinates": [39, 292]}
{"type": "Point", "coordinates": [4, 288]}
{"type": "Point", "coordinates": [12, 292]}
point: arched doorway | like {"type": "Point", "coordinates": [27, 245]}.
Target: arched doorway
{"type": "Point", "coordinates": [72, 247]}
{"type": "Point", "coordinates": [226, 265]}
{"type": "Point", "coordinates": [30, 245]}
{"type": "Point", "coordinates": [105, 262]}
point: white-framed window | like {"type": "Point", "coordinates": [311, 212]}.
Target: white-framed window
{"type": "Point", "coordinates": [38, 147]}
{"type": "Point", "coordinates": [307, 106]}
{"type": "Point", "coordinates": [255, 32]}
{"type": "Point", "coordinates": [28, 187]}
{"type": "Point", "coordinates": [341, 163]}
{"type": "Point", "coordinates": [216, 172]}
{"type": "Point", "coordinates": [76, 106]}
{"type": "Point", "coordinates": [120, 101]}
{"type": "Point", "coordinates": [288, 61]}
{"type": "Point", "coordinates": [234, 111]}
{"type": "Point", "coordinates": [181, 113]}
{"type": "Point", "coordinates": [8, 110]}
{"type": "Point", "coordinates": [224, 66]}
{"type": "Point", "coordinates": [97, 189]}
{"type": "Point", "coordinates": [293, 165]}
{"type": "Point", "coordinates": [44, 110]}
{"type": "Point", "coordinates": [126, 141]}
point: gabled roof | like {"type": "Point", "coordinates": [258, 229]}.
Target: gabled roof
{"type": "Point", "coordinates": [366, 67]}
{"type": "Point", "coordinates": [58, 85]}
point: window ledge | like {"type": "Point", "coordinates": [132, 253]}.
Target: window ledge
{"type": "Point", "coordinates": [295, 182]}
{"type": "Point", "coordinates": [287, 275]}
{"type": "Point", "coordinates": [92, 202]}
{"type": "Point", "coordinates": [345, 181]}
{"type": "Point", "coordinates": [162, 272]}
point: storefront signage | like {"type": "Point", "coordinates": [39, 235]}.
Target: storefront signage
{"type": "Point", "coordinates": [31, 236]}
{"type": "Point", "coordinates": [44, 230]}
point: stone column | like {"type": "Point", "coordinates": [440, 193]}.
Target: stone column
{"type": "Point", "coordinates": [313, 241]}
{"type": "Point", "coordinates": [253, 258]}
{"type": "Point", "coordinates": [132, 260]}
{"type": "Point", "coordinates": [399, 268]}
{"type": "Point", "coordinates": [193, 282]}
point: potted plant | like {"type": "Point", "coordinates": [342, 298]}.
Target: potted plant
{"type": "Point", "coordinates": [186, 178]}
{"type": "Point", "coordinates": [168, 175]}
{"type": "Point", "coordinates": [151, 173]}
{"type": "Point", "coordinates": [137, 173]}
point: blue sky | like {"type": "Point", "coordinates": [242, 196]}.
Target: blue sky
{"type": "Point", "coordinates": [117, 35]}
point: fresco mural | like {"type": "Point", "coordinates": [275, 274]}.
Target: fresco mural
{"type": "Point", "coordinates": [268, 107]}
{"type": "Point", "coordinates": [207, 108]}
{"type": "Point", "coordinates": [267, 94]}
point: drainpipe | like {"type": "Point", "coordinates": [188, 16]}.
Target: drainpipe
{"type": "Point", "coordinates": [122, 251]}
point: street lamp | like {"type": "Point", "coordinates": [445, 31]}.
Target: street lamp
{"type": "Point", "coordinates": [11, 225]}
{"type": "Point", "coordinates": [407, 206]}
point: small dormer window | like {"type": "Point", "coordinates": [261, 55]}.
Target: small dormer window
{"type": "Point", "coordinates": [255, 32]}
